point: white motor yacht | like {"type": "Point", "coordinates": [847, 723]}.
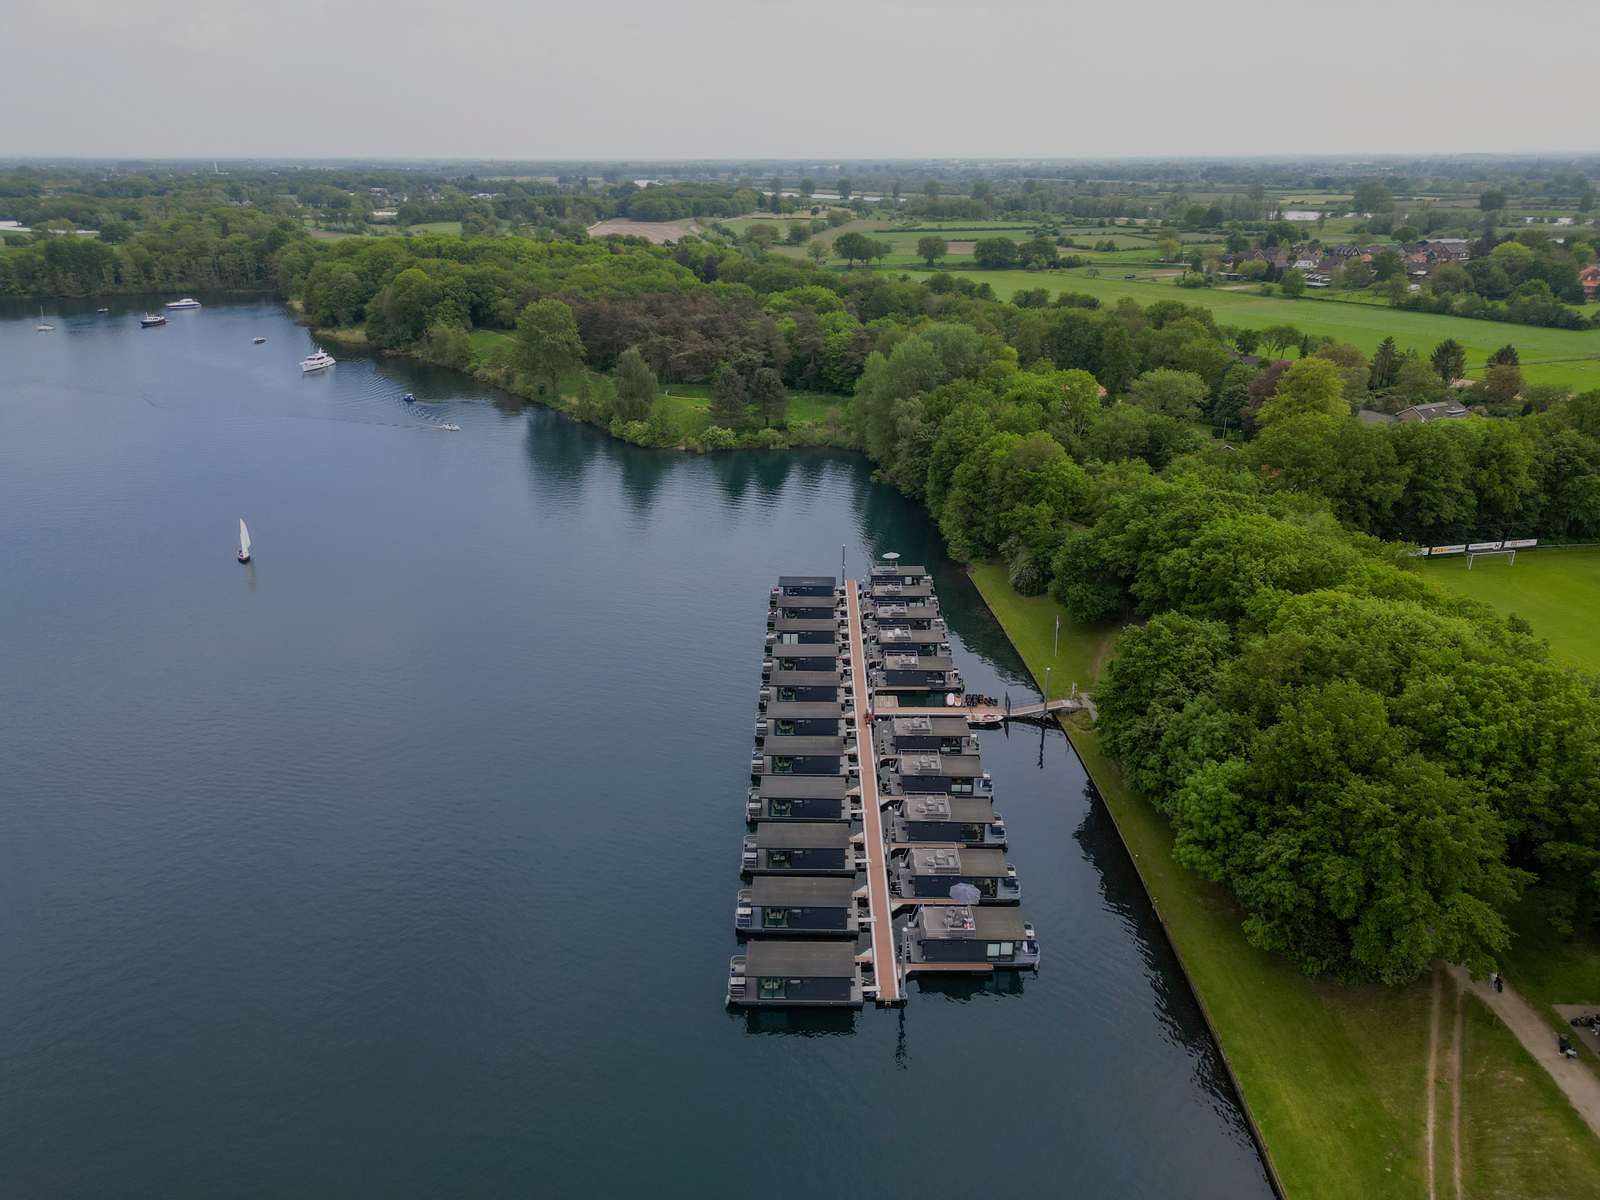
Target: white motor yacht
{"type": "Point", "coordinates": [184, 303]}
{"type": "Point", "coordinates": [318, 361]}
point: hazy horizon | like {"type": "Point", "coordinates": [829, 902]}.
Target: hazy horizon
{"type": "Point", "coordinates": [709, 80]}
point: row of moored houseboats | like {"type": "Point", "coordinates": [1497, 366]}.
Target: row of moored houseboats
{"type": "Point", "coordinates": [804, 916]}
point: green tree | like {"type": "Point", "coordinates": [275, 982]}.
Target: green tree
{"type": "Point", "coordinates": [853, 246]}
{"type": "Point", "coordinates": [807, 186]}
{"type": "Point", "coordinates": [1357, 274]}
{"type": "Point", "coordinates": [768, 397]}
{"type": "Point", "coordinates": [930, 188]}
{"type": "Point", "coordinates": [636, 386]}
{"type": "Point", "coordinates": [1169, 248]}
{"type": "Point", "coordinates": [1293, 283]}
{"type": "Point", "coordinates": [817, 251]}
{"type": "Point", "coordinates": [1506, 356]}
{"type": "Point", "coordinates": [730, 404]}
{"type": "Point", "coordinates": [1501, 383]}
{"type": "Point", "coordinates": [1491, 199]}
{"type": "Point", "coordinates": [1385, 366]}
{"type": "Point", "coordinates": [1415, 382]}
{"type": "Point", "coordinates": [995, 253]}
{"type": "Point", "coordinates": [1311, 387]}
{"type": "Point", "coordinates": [932, 247]}
{"type": "Point", "coordinates": [1449, 359]}
{"type": "Point", "coordinates": [1176, 394]}
{"type": "Point", "coordinates": [1386, 264]}
{"type": "Point", "coordinates": [1080, 402]}
{"type": "Point", "coordinates": [548, 344]}
{"type": "Point", "coordinates": [844, 189]}
{"type": "Point", "coordinates": [798, 232]}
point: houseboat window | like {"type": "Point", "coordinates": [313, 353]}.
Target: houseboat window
{"type": "Point", "coordinates": [778, 860]}
{"type": "Point", "coordinates": [788, 639]}
{"type": "Point", "coordinates": [987, 887]}
{"type": "Point", "coordinates": [1001, 949]}
{"type": "Point", "coordinates": [783, 764]}
{"type": "Point", "coordinates": [785, 693]}
{"type": "Point", "coordinates": [788, 664]}
{"type": "Point", "coordinates": [772, 989]}
{"type": "Point", "coordinates": [949, 745]}
{"type": "Point", "coordinates": [972, 833]}
{"type": "Point", "coordinates": [961, 787]}
{"type": "Point", "coordinates": [782, 808]}
{"type": "Point", "coordinates": [775, 918]}
{"type": "Point", "coordinates": [785, 728]}
{"type": "Point", "coordinates": [935, 678]}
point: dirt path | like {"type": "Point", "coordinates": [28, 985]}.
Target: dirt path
{"type": "Point", "coordinates": [1579, 1083]}
{"type": "Point", "coordinates": [1457, 1040]}
{"type": "Point", "coordinates": [1430, 1088]}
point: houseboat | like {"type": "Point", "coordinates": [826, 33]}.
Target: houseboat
{"type": "Point", "coordinates": [802, 756]}
{"type": "Point", "coordinates": [902, 639]}
{"type": "Point", "coordinates": [961, 937]}
{"type": "Point", "coordinates": [918, 680]}
{"type": "Point", "coordinates": [925, 771]}
{"type": "Point", "coordinates": [807, 585]}
{"type": "Point", "coordinates": [964, 820]}
{"type": "Point", "coordinates": [808, 686]}
{"type": "Point", "coordinates": [803, 608]}
{"type": "Point", "coordinates": [783, 972]}
{"type": "Point", "coordinates": [802, 798]}
{"type": "Point", "coordinates": [802, 719]}
{"type": "Point", "coordinates": [803, 848]}
{"type": "Point", "coordinates": [894, 573]}
{"type": "Point", "coordinates": [925, 732]}
{"type": "Point", "coordinates": [808, 632]}
{"type": "Point", "coordinates": [778, 906]}
{"type": "Point", "coordinates": [927, 873]}
{"type": "Point", "coordinates": [785, 660]}
{"type": "Point", "coordinates": [895, 613]}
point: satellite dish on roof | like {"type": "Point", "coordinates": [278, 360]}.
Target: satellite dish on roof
{"type": "Point", "coordinates": [965, 893]}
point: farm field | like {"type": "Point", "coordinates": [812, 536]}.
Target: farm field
{"type": "Point", "coordinates": [1548, 355]}
{"type": "Point", "coordinates": [1555, 589]}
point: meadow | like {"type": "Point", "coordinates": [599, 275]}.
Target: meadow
{"type": "Point", "coordinates": [1555, 589]}
{"type": "Point", "coordinates": [1548, 355]}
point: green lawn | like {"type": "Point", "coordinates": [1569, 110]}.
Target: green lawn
{"type": "Point", "coordinates": [1365, 325]}
{"type": "Point", "coordinates": [1555, 589]}
{"type": "Point", "coordinates": [1519, 1135]}
{"type": "Point", "coordinates": [1332, 1074]}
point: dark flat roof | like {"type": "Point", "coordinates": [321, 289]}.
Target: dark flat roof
{"type": "Point", "coordinates": [925, 763]}
{"type": "Point", "coordinates": [804, 650]}
{"type": "Point", "coordinates": [806, 678]}
{"type": "Point", "coordinates": [805, 710]}
{"type": "Point", "coordinates": [807, 835]}
{"type": "Point", "coordinates": [804, 625]}
{"type": "Point", "coordinates": [802, 787]}
{"type": "Point", "coordinates": [962, 808]}
{"type": "Point", "coordinates": [988, 924]}
{"type": "Point", "coordinates": [974, 863]}
{"type": "Point", "coordinates": [807, 581]}
{"type": "Point", "coordinates": [831, 746]}
{"type": "Point", "coordinates": [784, 956]}
{"type": "Point", "coordinates": [784, 891]}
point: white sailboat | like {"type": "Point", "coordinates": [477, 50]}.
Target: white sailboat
{"type": "Point", "coordinates": [43, 328]}
{"type": "Point", "coordinates": [244, 542]}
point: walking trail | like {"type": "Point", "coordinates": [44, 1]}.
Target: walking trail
{"type": "Point", "coordinates": [1580, 1084]}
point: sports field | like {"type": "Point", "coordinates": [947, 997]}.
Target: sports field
{"type": "Point", "coordinates": [1548, 355]}
{"type": "Point", "coordinates": [1555, 589]}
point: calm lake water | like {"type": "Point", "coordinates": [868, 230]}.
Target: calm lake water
{"type": "Point", "coordinates": [402, 862]}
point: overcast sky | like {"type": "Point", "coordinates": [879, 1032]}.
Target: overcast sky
{"type": "Point", "coordinates": [828, 79]}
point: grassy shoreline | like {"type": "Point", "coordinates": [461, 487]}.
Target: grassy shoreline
{"type": "Point", "coordinates": [1333, 1077]}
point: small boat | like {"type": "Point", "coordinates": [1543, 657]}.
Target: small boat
{"type": "Point", "coordinates": [258, 341]}
{"type": "Point", "coordinates": [244, 542]}
{"type": "Point", "coordinates": [184, 303]}
{"type": "Point", "coordinates": [448, 425]}
{"type": "Point", "coordinates": [42, 327]}
{"type": "Point", "coordinates": [102, 311]}
{"type": "Point", "coordinates": [318, 361]}
{"type": "Point", "coordinates": [152, 319]}
{"type": "Point", "coordinates": [410, 399]}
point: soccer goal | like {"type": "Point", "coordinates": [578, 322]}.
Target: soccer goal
{"type": "Point", "coordinates": [1472, 554]}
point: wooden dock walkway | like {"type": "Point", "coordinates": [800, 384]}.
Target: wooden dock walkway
{"type": "Point", "coordinates": [986, 714]}
{"type": "Point", "coordinates": [885, 961]}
